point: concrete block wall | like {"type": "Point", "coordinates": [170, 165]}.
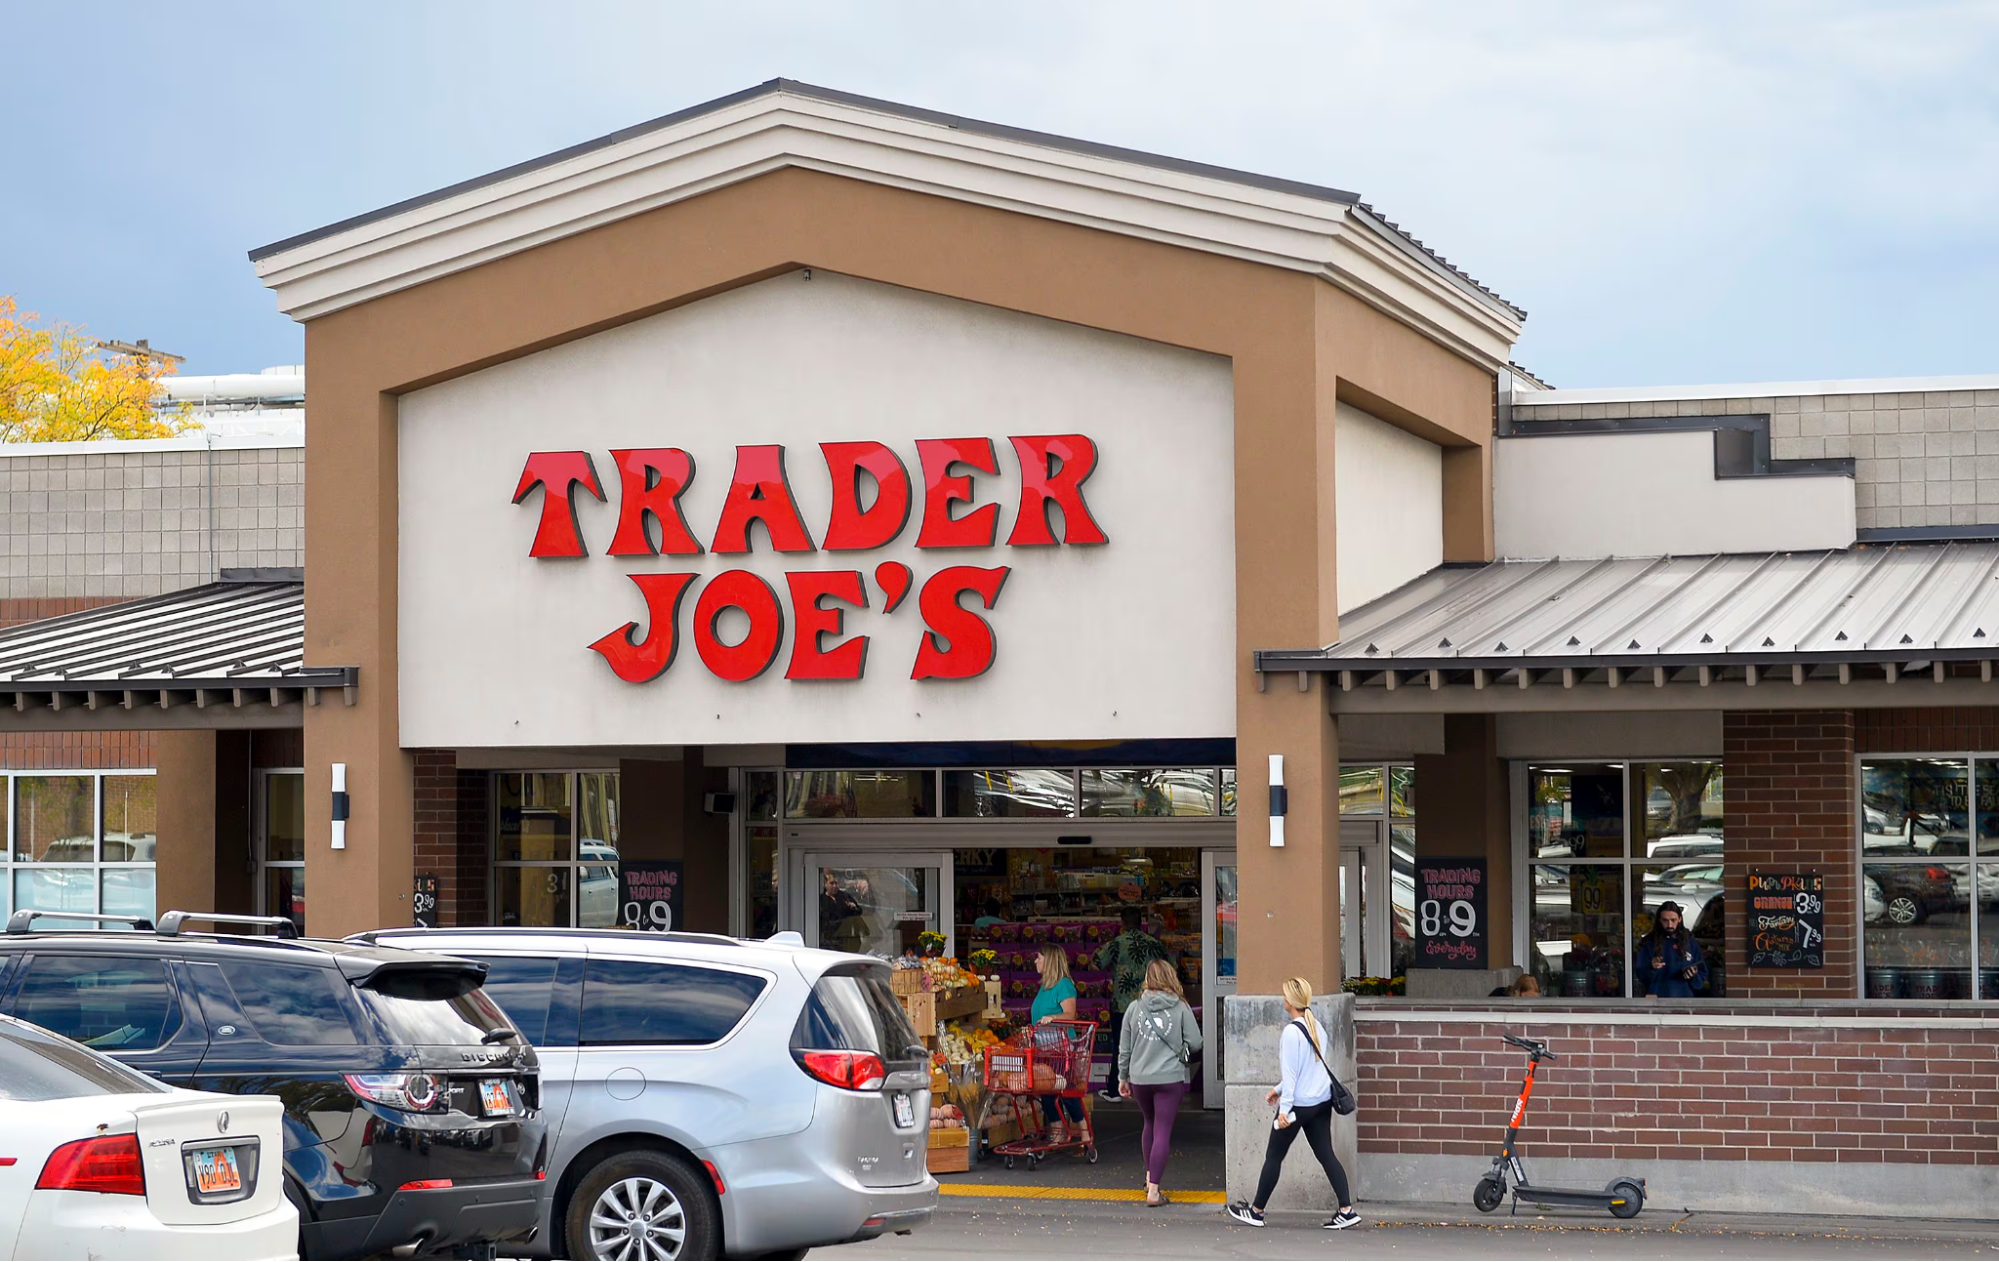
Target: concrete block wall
{"type": "Point", "coordinates": [1844, 1109]}
{"type": "Point", "coordinates": [1251, 1027]}
{"type": "Point", "coordinates": [135, 520]}
{"type": "Point", "coordinates": [1922, 458]}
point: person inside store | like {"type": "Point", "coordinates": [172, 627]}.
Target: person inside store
{"type": "Point", "coordinates": [1056, 1001]}
{"type": "Point", "coordinates": [1669, 963]}
{"type": "Point", "coordinates": [1126, 957]}
{"type": "Point", "coordinates": [1161, 1035]}
{"type": "Point", "coordinates": [1304, 1098]}
{"type": "Point", "coordinates": [841, 924]}
{"type": "Point", "coordinates": [1525, 986]}
{"type": "Point", "coordinates": [994, 915]}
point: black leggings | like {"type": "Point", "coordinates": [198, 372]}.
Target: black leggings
{"type": "Point", "coordinates": [1316, 1120]}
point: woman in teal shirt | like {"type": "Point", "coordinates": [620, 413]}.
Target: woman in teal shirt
{"type": "Point", "coordinates": [1057, 999]}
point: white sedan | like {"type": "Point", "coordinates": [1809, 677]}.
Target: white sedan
{"type": "Point", "coordinates": [99, 1161]}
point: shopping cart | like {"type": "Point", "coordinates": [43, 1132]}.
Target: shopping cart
{"type": "Point", "coordinates": [1049, 1059]}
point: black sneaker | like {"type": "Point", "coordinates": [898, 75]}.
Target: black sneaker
{"type": "Point", "coordinates": [1341, 1221]}
{"type": "Point", "coordinates": [1243, 1212]}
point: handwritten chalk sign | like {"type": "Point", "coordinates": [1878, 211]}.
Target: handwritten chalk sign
{"type": "Point", "coordinates": [1785, 920]}
{"type": "Point", "coordinates": [1450, 913]}
{"type": "Point", "coordinates": [649, 895]}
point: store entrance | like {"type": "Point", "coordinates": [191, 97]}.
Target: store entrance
{"type": "Point", "coordinates": [877, 903]}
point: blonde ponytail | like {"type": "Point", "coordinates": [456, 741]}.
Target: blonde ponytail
{"type": "Point", "coordinates": [1298, 993]}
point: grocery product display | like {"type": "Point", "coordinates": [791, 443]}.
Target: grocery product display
{"type": "Point", "coordinates": [1014, 902]}
{"type": "Point", "coordinates": [948, 1005]}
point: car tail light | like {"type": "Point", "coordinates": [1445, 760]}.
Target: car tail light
{"type": "Point", "coordinates": [856, 1071]}
{"type": "Point", "coordinates": [105, 1163]}
{"type": "Point", "coordinates": [413, 1093]}
{"type": "Point", "coordinates": [424, 1185]}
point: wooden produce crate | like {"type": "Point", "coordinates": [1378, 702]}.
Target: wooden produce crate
{"type": "Point", "coordinates": [906, 981]}
{"type": "Point", "coordinates": [950, 1160]}
{"type": "Point", "coordinates": [949, 1137]}
{"type": "Point", "coordinates": [966, 1001]}
{"type": "Point", "coordinates": [995, 1009]}
{"type": "Point", "coordinates": [922, 1010]}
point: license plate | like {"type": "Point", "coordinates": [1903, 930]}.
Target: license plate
{"type": "Point", "coordinates": [493, 1094]}
{"type": "Point", "coordinates": [905, 1111]}
{"type": "Point", "coordinates": [215, 1170]}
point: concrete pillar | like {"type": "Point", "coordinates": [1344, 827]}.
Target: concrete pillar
{"type": "Point", "coordinates": [1463, 810]}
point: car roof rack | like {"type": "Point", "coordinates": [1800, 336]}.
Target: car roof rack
{"type": "Point", "coordinates": [23, 921]}
{"type": "Point", "coordinates": [170, 924]}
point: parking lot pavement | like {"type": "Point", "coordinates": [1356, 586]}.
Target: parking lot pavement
{"type": "Point", "coordinates": [1074, 1229]}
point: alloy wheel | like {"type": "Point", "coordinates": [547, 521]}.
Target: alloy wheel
{"type": "Point", "coordinates": [638, 1219]}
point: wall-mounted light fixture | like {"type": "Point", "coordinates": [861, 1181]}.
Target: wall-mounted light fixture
{"type": "Point", "coordinates": [1278, 799]}
{"type": "Point", "coordinates": [340, 806]}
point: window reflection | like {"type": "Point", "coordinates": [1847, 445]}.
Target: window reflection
{"type": "Point", "coordinates": [1577, 917]}
{"type": "Point", "coordinates": [1914, 806]}
{"type": "Point", "coordinates": [1014, 794]}
{"type": "Point", "coordinates": [1360, 790]}
{"type": "Point", "coordinates": [885, 794]}
{"type": "Point", "coordinates": [534, 821]}
{"type": "Point", "coordinates": [1918, 930]}
{"type": "Point", "coordinates": [1576, 811]}
{"type": "Point", "coordinates": [1168, 791]}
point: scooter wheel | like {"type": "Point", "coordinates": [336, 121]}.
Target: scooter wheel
{"type": "Point", "coordinates": [1634, 1199]}
{"type": "Point", "coordinates": [1488, 1195]}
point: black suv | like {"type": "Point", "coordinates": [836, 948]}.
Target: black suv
{"type": "Point", "coordinates": [412, 1107]}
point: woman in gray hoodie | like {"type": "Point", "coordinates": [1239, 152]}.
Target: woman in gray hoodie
{"type": "Point", "coordinates": [1160, 1037]}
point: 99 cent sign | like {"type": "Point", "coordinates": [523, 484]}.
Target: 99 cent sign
{"type": "Point", "coordinates": [1450, 913]}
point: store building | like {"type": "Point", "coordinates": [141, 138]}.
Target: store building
{"type": "Point", "coordinates": [899, 522]}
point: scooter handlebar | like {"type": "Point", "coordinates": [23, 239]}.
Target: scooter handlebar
{"type": "Point", "coordinates": [1533, 1046]}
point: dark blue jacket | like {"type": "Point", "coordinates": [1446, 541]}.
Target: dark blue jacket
{"type": "Point", "coordinates": [1667, 982]}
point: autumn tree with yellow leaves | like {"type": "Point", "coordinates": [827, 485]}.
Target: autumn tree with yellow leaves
{"type": "Point", "coordinates": [58, 386]}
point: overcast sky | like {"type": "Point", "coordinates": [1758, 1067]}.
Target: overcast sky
{"type": "Point", "coordinates": [1676, 193]}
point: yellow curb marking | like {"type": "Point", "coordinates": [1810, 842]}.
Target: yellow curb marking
{"type": "Point", "coordinates": [1034, 1192]}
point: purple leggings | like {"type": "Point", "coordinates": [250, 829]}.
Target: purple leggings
{"type": "Point", "coordinates": [1160, 1103]}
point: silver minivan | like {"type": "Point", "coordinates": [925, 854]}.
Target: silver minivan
{"type": "Point", "coordinates": [707, 1096]}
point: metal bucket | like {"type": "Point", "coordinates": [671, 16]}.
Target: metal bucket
{"type": "Point", "coordinates": [1926, 983]}
{"type": "Point", "coordinates": [1884, 983]}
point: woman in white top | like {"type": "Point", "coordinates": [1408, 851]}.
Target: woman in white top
{"type": "Point", "coordinates": [1304, 1100]}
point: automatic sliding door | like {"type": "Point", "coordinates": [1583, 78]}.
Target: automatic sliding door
{"type": "Point", "coordinates": [876, 903]}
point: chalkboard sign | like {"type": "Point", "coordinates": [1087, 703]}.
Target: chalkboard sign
{"type": "Point", "coordinates": [649, 895]}
{"type": "Point", "coordinates": [1786, 920]}
{"type": "Point", "coordinates": [1450, 913]}
{"type": "Point", "coordinates": [423, 902]}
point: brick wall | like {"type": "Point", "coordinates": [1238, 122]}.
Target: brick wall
{"type": "Point", "coordinates": [1632, 1088]}
{"type": "Point", "coordinates": [1933, 729]}
{"type": "Point", "coordinates": [1789, 807]}
{"type": "Point", "coordinates": [14, 612]}
{"type": "Point", "coordinates": [450, 835]}
{"type": "Point", "coordinates": [78, 751]}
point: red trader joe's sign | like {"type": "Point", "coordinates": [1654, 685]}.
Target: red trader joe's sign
{"type": "Point", "coordinates": [1450, 913]}
{"type": "Point", "coordinates": [957, 643]}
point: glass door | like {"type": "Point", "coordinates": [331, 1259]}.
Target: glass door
{"type": "Point", "coordinates": [281, 846]}
{"type": "Point", "coordinates": [876, 903]}
{"type": "Point", "coordinates": [1364, 901]}
{"type": "Point", "coordinates": [1218, 955]}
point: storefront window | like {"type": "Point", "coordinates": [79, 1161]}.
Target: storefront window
{"type": "Point", "coordinates": [885, 794]}
{"type": "Point", "coordinates": [1918, 931]}
{"type": "Point", "coordinates": [1578, 938]}
{"type": "Point", "coordinates": [80, 842]}
{"type": "Point", "coordinates": [1402, 791]}
{"type": "Point", "coordinates": [1402, 899]}
{"type": "Point", "coordinates": [1576, 811]}
{"type": "Point", "coordinates": [1361, 790]}
{"type": "Point", "coordinates": [1915, 806]}
{"type": "Point", "coordinates": [1228, 790]}
{"type": "Point", "coordinates": [1146, 794]}
{"type": "Point", "coordinates": [282, 847]}
{"type": "Point", "coordinates": [1010, 794]}
{"type": "Point", "coordinates": [555, 851]}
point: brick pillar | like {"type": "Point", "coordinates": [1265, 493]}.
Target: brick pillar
{"type": "Point", "coordinates": [470, 898]}
{"type": "Point", "coordinates": [434, 828]}
{"type": "Point", "coordinates": [1789, 807]}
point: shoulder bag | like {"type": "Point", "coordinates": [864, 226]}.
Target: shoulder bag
{"type": "Point", "coordinates": [1343, 1100]}
{"type": "Point", "coordinates": [1160, 1032]}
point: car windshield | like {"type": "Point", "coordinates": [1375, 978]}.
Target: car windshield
{"type": "Point", "coordinates": [37, 1065]}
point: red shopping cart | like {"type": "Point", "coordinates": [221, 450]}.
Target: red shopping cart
{"type": "Point", "coordinates": [1049, 1059]}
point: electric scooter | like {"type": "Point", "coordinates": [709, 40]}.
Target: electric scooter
{"type": "Point", "coordinates": [1624, 1196]}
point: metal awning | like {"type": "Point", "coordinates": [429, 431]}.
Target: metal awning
{"type": "Point", "coordinates": [228, 654]}
{"type": "Point", "coordinates": [1850, 624]}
